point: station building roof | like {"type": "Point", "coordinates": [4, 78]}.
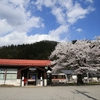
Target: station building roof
{"type": "Point", "coordinates": [24, 62]}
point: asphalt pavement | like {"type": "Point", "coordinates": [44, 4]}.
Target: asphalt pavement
{"type": "Point", "coordinates": [50, 93]}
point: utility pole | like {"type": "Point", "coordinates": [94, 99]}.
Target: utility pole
{"type": "Point", "coordinates": [87, 77]}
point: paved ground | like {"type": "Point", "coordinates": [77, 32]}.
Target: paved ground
{"type": "Point", "coordinates": [51, 93]}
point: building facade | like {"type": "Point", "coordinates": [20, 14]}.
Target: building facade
{"type": "Point", "coordinates": [20, 72]}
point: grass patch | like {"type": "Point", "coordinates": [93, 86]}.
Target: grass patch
{"type": "Point", "coordinates": [6, 85]}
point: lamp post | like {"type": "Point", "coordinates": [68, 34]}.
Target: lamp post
{"type": "Point", "coordinates": [49, 77]}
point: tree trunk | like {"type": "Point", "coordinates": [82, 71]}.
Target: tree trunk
{"type": "Point", "coordinates": [79, 79]}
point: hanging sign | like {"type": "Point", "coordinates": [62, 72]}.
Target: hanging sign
{"type": "Point", "coordinates": [32, 68]}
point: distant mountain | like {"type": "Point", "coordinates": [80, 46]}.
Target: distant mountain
{"type": "Point", "coordinates": [39, 50]}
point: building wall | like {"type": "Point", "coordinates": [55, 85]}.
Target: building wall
{"type": "Point", "coordinates": [9, 76]}
{"type": "Point", "coordinates": [15, 76]}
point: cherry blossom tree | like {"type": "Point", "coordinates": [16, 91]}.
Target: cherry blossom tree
{"type": "Point", "coordinates": [76, 54]}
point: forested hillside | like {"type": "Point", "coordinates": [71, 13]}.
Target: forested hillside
{"type": "Point", "coordinates": [39, 50]}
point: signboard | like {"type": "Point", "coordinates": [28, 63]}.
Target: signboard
{"type": "Point", "coordinates": [32, 68]}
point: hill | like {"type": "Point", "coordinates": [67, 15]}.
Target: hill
{"type": "Point", "coordinates": [39, 50]}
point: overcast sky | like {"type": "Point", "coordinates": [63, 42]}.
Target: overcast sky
{"type": "Point", "coordinates": [29, 21]}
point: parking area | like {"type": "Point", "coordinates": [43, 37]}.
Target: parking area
{"type": "Point", "coordinates": [51, 93]}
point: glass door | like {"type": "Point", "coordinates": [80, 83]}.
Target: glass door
{"type": "Point", "coordinates": [31, 79]}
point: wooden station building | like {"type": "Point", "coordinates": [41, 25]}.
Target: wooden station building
{"type": "Point", "coordinates": [20, 72]}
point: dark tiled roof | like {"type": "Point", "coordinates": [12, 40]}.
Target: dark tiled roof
{"type": "Point", "coordinates": [22, 62]}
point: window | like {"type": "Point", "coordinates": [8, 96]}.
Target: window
{"type": "Point", "coordinates": [2, 74]}
{"type": "Point", "coordinates": [58, 77]}
{"type": "Point", "coordinates": [2, 70]}
{"type": "Point", "coordinates": [11, 74]}
{"type": "Point", "coordinates": [12, 71]}
{"type": "Point", "coordinates": [8, 74]}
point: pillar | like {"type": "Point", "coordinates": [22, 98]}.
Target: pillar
{"type": "Point", "coordinates": [41, 81]}
{"type": "Point", "coordinates": [22, 81]}
{"type": "Point", "coordinates": [45, 79]}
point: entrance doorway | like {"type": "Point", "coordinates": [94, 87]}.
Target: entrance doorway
{"type": "Point", "coordinates": [31, 78]}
